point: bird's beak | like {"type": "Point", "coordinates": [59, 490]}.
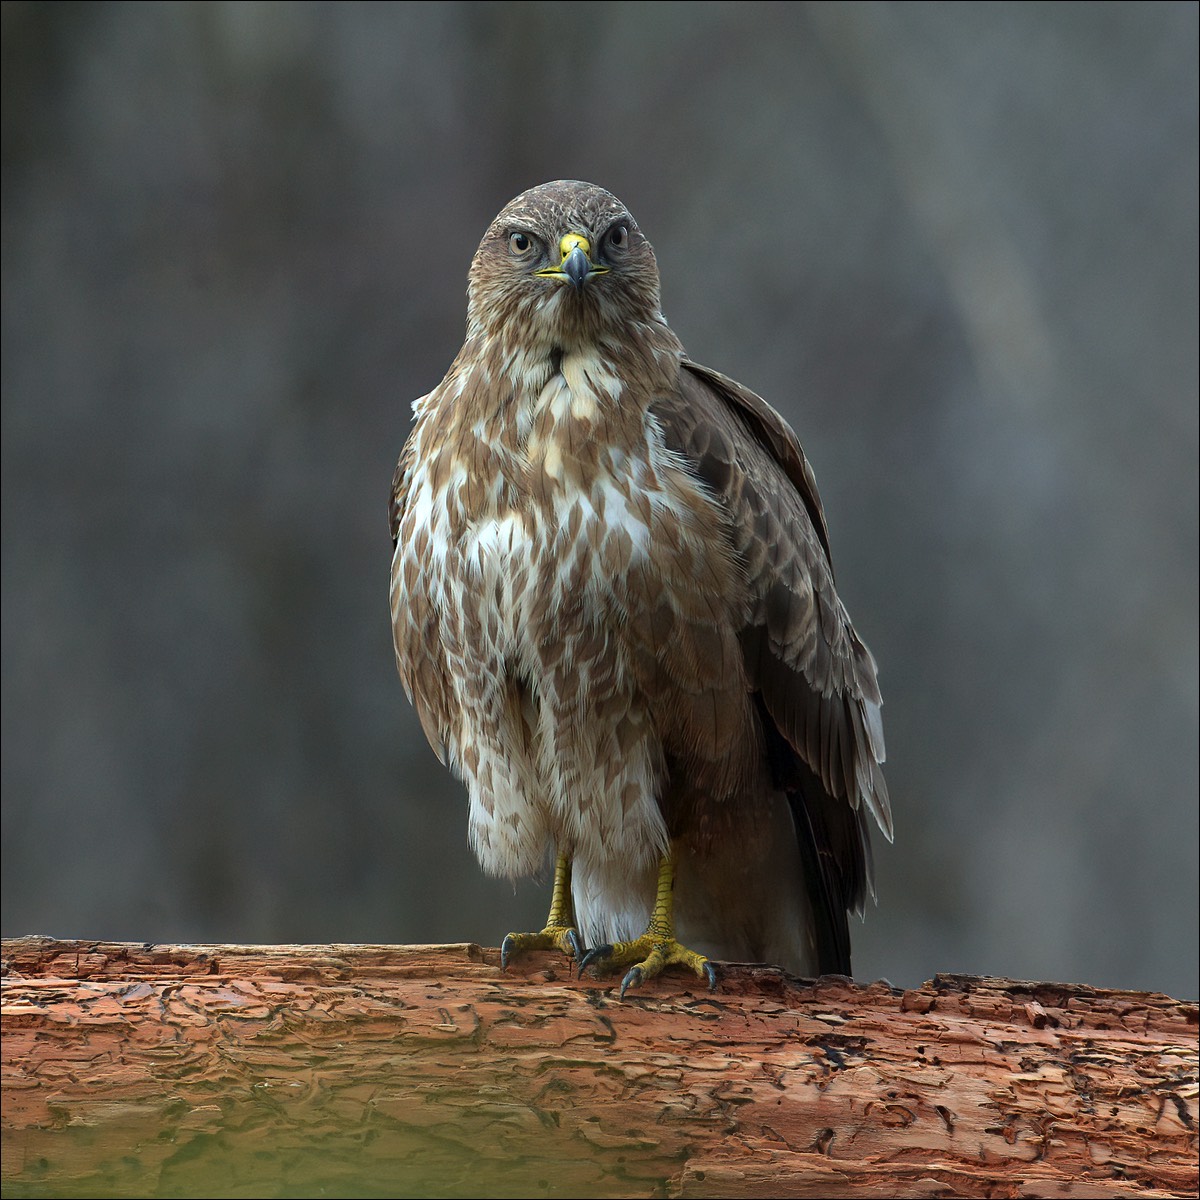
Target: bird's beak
{"type": "Point", "coordinates": [575, 263]}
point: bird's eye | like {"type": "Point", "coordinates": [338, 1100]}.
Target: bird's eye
{"type": "Point", "coordinates": [617, 238]}
{"type": "Point", "coordinates": [520, 243]}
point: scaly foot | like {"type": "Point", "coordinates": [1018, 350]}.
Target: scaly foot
{"type": "Point", "coordinates": [553, 937]}
{"type": "Point", "coordinates": [647, 956]}
{"type": "Point", "coordinates": [560, 932]}
{"type": "Point", "coordinates": [657, 948]}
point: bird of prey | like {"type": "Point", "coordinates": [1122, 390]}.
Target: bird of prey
{"type": "Point", "coordinates": [614, 612]}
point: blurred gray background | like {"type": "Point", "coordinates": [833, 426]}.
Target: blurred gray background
{"type": "Point", "coordinates": [956, 245]}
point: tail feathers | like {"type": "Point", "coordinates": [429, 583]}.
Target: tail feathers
{"type": "Point", "coordinates": [835, 849]}
{"type": "Point", "coordinates": [826, 891]}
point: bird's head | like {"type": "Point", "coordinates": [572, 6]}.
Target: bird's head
{"type": "Point", "coordinates": [563, 263]}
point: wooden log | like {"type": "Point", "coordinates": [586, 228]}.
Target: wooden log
{"type": "Point", "coordinates": [424, 1070]}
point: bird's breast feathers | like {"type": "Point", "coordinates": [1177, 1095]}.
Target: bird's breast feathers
{"type": "Point", "coordinates": [548, 542]}
{"type": "Point", "coordinates": [564, 493]}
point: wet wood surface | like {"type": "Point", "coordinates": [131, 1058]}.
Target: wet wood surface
{"type": "Point", "coordinates": [356, 1070]}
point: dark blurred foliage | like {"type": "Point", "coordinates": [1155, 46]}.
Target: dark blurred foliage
{"type": "Point", "coordinates": [955, 244]}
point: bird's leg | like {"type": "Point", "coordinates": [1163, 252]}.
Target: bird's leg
{"type": "Point", "coordinates": [560, 930]}
{"type": "Point", "coordinates": [657, 948]}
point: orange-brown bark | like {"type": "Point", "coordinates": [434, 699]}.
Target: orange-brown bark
{"type": "Point", "coordinates": [423, 1070]}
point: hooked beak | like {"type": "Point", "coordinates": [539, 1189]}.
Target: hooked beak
{"type": "Point", "coordinates": [575, 263]}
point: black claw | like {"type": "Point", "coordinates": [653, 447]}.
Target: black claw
{"type": "Point", "coordinates": [632, 979]}
{"type": "Point", "coordinates": [506, 947]}
{"type": "Point", "coordinates": [711, 973]}
{"type": "Point", "coordinates": [593, 955]}
{"type": "Point", "coordinates": [577, 948]}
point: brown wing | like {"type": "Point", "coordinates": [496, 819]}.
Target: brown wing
{"type": "Point", "coordinates": [415, 625]}
{"type": "Point", "coordinates": [816, 685]}
{"type": "Point", "coordinates": [396, 497]}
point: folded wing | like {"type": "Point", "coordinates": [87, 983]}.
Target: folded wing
{"type": "Point", "coordinates": [814, 681]}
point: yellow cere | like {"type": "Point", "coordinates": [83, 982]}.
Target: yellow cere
{"type": "Point", "coordinates": [570, 241]}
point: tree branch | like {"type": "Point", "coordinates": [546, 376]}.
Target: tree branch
{"type": "Point", "coordinates": [423, 1070]}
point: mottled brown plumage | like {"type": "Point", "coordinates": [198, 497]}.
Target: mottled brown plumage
{"type": "Point", "coordinates": [614, 610]}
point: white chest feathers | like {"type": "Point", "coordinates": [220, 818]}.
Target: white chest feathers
{"type": "Point", "coordinates": [534, 540]}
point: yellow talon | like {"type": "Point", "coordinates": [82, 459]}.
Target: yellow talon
{"type": "Point", "coordinates": [657, 948]}
{"type": "Point", "coordinates": [559, 933]}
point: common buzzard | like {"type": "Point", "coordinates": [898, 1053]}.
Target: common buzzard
{"type": "Point", "coordinates": [614, 611]}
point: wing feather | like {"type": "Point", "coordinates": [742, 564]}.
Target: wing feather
{"type": "Point", "coordinates": [816, 681]}
{"type": "Point", "coordinates": [415, 624]}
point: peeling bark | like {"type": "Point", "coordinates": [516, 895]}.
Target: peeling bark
{"type": "Point", "coordinates": [423, 1070]}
